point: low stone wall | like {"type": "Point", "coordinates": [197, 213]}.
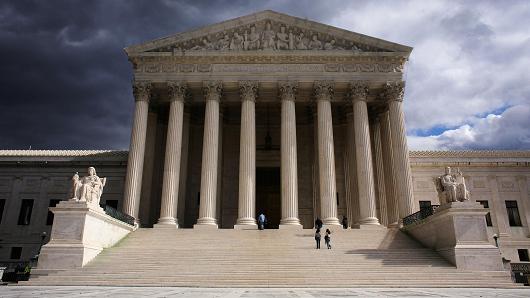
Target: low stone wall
{"type": "Point", "coordinates": [457, 231]}
{"type": "Point", "coordinates": [79, 233]}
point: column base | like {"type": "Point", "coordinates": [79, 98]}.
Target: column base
{"type": "Point", "coordinates": [245, 227]}
{"type": "Point", "coordinates": [205, 226]}
{"type": "Point", "coordinates": [369, 221]}
{"type": "Point", "coordinates": [206, 222]}
{"type": "Point", "coordinates": [394, 225]}
{"type": "Point", "coordinates": [289, 221]}
{"type": "Point", "coordinates": [167, 221]}
{"type": "Point", "coordinates": [290, 226]}
{"type": "Point", "coordinates": [331, 221]}
{"type": "Point", "coordinates": [246, 221]}
{"type": "Point", "coordinates": [165, 226]}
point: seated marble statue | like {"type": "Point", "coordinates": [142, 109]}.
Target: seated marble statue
{"type": "Point", "coordinates": [451, 187]}
{"type": "Point", "coordinates": [89, 188]}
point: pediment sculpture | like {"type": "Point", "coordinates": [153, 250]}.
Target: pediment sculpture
{"type": "Point", "coordinates": [88, 188]}
{"type": "Point", "coordinates": [268, 35]}
{"type": "Point", "coordinates": [451, 187]}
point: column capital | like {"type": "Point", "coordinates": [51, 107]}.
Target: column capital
{"type": "Point", "coordinates": [248, 90]}
{"type": "Point", "coordinates": [393, 91]}
{"type": "Point", "coordinates": [212, 90]}
{"type": "Point", "coordinates": [142, 90]}
{"type": "Point", "coordinates": [323, 89]}
{"type": "Point", "coordinates": [288, 89]}
{"type": "Point", "coordinates": [359, 90]}
{"type": "Point", "coordinates": [176, 90]}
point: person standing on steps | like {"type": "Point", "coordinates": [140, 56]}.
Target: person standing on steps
{"type": "Point", "coordinates": [327, 238]}
{"type": "Point", "coordinates": [318, 223]}
{"type": "Point", "coordinates": [317, 238]}
{"type": "Point", "coordinates": [261, 221]}
{"type": "Point", "coordinates": [344, 222]}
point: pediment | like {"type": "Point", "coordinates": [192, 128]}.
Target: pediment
{"type": "Point", "coordinates": [267, 31]}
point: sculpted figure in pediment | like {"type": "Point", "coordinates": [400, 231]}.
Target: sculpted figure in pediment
{"type": "Point", "coordinates": [315, 44]}
{"type": "Point", "coordinates": [283, 39]}
{"type": "Point", "coordinates": [206, 45]}
{"type": "Point", "coordinates": [301, 42]}
{"type": "Point", "coordinates": [252, 41]}
{"type": "Point", "coordinates": [223, 43]}
{"type": "Point", "coordinates": [268, 36]}
{"type": "Point", "coordinates": [237, 42]}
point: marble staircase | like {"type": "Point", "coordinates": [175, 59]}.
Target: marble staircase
{"type": "Point", "coordinates": [270, 258]}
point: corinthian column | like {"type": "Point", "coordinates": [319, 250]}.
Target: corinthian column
{"type": "Point", "coordinates": [170, 186]}
{"type": "Point", "coordinates": [210, 154]}
{"type": "Point", "coordinates": [135, 164]}
{"type": "Point", "coordinates": [326, 155]}
{"type": "Point", "coordinates": [393, 93]}
{"type": "Point", "coordinates": [379, 171]}
{"type": "Point", "coordinates": [390, 175]}
{"type": "Point", "coordinates": [363, 154]}
{"type": "Point", "coordinates": [247, 156]}
{"type": "Point", "coordinates": [289, 172]}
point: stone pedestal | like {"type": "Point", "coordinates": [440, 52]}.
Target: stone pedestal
{"type": "Point", "coordinates": [457, 231]}
{"type": "Point", "coordinates": [80, 232]}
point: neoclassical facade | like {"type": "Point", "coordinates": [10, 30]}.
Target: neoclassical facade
{"type": "Point", "coordinates": [243, 117]}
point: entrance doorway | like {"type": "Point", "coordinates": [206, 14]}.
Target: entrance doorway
{"type": "Point", "coordinates": [268, 196]}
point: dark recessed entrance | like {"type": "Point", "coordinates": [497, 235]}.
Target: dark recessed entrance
{"type": "Point", "coordinates": [268, 196]}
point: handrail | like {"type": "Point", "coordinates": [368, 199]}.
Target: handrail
{"type": "Point", "coordinates": [112, 212]}
{"type": "Point", "coordinates": [420, 215]}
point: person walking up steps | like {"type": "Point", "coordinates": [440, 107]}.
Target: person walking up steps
{"type": "Point", "coordinates": [327, 238]}
{"type": "Point", "coordinates": [317, 238]}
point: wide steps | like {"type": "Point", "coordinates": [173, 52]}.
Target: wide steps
{"type": "Point", "coordinates": [270, 258]}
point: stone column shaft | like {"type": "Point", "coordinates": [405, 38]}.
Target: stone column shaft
{"type": "Point", "coordinates": [210, 154]}
{"type": "Point", "coordinates": [379, 171]}
{"type": "Point", "coordinates": [289, 171]}
{"type": "Point", "coordinates": [247, 156]}
{"type": "Point", "coordinates": [390, 174]}
{"type": "Point", "coordinates": [171, 180]}
{"type": "Point", "coordinates": [525, 200]}
{"type": "Point", "coordinates": [326, 161]}
{"type": "Point", "coordinates": [394, 95]}
{"type": "Point", "coordinates": [363, 154]}
{"type": "Point", "coordinates": [499, 213]}
{"type": "Point", "coordinates": [135, 164]}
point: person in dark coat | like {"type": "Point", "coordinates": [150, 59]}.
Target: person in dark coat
{"type": "Point", "coordinates": [344, 222]}
{"type": "Point", "coordinates": [327, 238]}
{"type": "Point", "coordinates": [318, 223]}
{"type": "Point", "coordinates": [317, 238]}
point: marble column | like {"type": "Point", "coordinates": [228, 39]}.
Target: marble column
{"type": "Point", "coordinates": [350, 172]}
{"type": "Point", "coordinates": [363, 154]}
{"type": "Point", "coordinates": [135, 164]}
{"type": "Point", "coordinates": [326, 155]}
{"type": "Point", "coordinates": [499, 214]}
{"type": "Point", "coordinates": [379, 171]}
{"type": "Point", "coordinates": [171, 180]}
{"type": "Point", "coordinates": [210, 154]}
{"type": "Point", "coordinates": [393, 93]}
{"type": "Point", "coordinates": [525, 202]}
{"type": "Point", "coordinates": [248, 91]}
{"type": "Point", "coordinates": [388, 162]}
{"type": "Point", "coordinates": [289, 169]}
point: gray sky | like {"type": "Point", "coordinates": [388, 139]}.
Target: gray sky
{"type": "Point", "coordinates": [66, 81]}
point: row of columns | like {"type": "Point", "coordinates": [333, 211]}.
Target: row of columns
{"type": "Point", "coordinates": [390, 148]}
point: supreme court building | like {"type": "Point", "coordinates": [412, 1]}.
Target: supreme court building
{"type": "Point", "coordinates": [266, 113]}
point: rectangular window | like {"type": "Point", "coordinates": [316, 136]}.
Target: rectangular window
{"type": "Point", "coordinates": [16, 253]}
{"type": "Point", "coordinates": [523, 255]}
{"type": "Point", "coordinates": [425, 205]}
{"type": "Point", "coordinates": [112, 203]}
{"type": "Point", "coordinates": [2, 205]}
{"type": "Point", "coordinates": [24, 217]}
{"type": "Point", "coordinates": [49, 218]}
{"type": "Point", "coordinates": [337, 199]}
{"type": "Point", "coordinates": [198, 198]}
{"type": "Point", "coordinates": [486, 205]}
{"type": "Point", "coordinates": [513, 213]}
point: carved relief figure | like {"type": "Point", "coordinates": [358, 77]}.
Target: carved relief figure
{"type": "Point", "coordinates": [315, 44]}
{"type": "Point", "coordinates": [237, 42]}
{"type": "Point", "coordinates": [89, 188]}
{"type": "Point", "coordinates": [451, 188]}
{"type": "Point", "coordinates": [268, 38]}
{"type": "Point", "coordinates": [291, 40]}
{"type": "Point", "coordinates": [206, 45]}
{"type": "Point", "coordinates": [224, 43]}
{"type": "Point", "coordinates": [329, 45]}
{"type": "Point", "coordinates": [252, 41]}
{"type": "Point", "coordinates": [283, 39]}
{"type": "Point", "coordinates": [301, 43]}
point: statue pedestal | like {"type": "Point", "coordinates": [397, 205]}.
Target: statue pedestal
{"type": "Point", "coordinates": [457, 231]}
{"type": "Point", "coordinates": [80, 232]}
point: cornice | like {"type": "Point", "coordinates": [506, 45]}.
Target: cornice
{"type": "Point", "coordinates": [471, 154]}
{"type": "Point", "coordinates": [62, 153]}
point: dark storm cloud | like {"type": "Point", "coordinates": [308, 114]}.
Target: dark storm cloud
{"type": "Point", "coordinates": [65, 79]}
